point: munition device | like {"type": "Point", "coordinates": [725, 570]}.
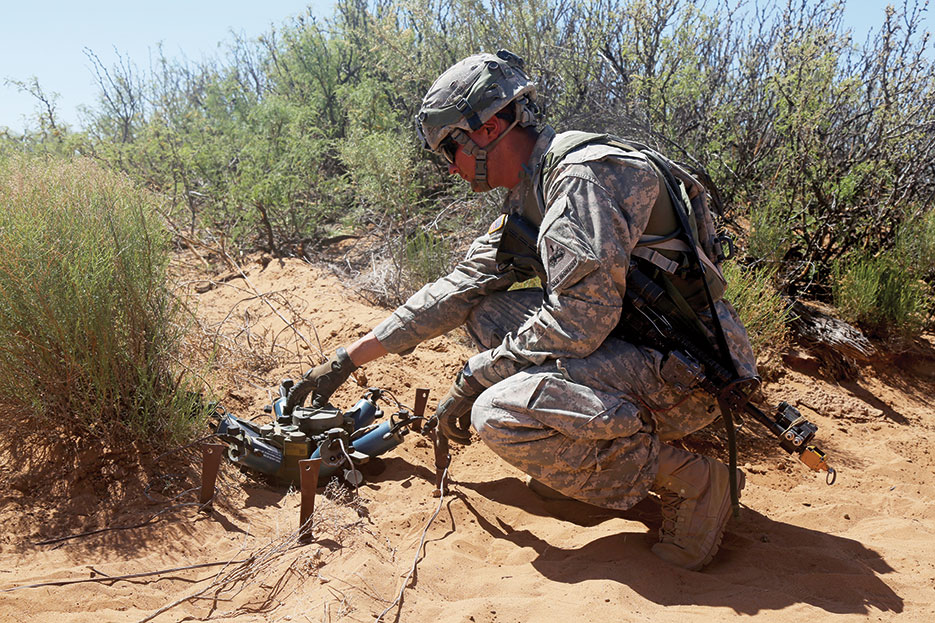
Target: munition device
{"type": "Point", "coordinates": [343, 440]}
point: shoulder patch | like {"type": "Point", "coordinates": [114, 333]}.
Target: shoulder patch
{"type": "Point", "coordinates": [497, 224]}
{"type": "Point", "coordinates": [561, 262]}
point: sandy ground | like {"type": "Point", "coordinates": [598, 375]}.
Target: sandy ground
{"type": "Point", "coordinates": [863, 549]}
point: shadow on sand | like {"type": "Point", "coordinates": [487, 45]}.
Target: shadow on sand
{"type": "Point", "coordinates": [763, 565]}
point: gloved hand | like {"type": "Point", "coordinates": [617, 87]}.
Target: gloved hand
{"type": "Point", "coordinates": [454, 410]}
{"type": "Point", "coordinates": [323, 380]}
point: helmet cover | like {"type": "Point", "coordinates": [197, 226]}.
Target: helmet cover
{"type": "Point", "coordinates": [472, 91]}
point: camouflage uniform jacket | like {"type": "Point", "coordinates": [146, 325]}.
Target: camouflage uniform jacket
{"type": "Point", "coordinates": [597, 203]}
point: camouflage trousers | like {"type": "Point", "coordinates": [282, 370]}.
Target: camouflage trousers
{"type": "Point", "coordinates": [589, 428]}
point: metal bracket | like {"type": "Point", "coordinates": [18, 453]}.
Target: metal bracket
{"type": "Point", "coordinates": [308, 478]}
{"type": "Point", "coordinates": [442, 461]}
{"type": "Point", "coordinates": [211, 454]}
{"type": "Point", "coordinates": [418, 410]}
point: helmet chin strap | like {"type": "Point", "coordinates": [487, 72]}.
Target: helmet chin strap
{"type": "Point", "coordinates": [480, 182]}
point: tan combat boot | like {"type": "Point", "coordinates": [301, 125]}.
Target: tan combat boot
{"type": "Point", "coordinates": [695, 495]}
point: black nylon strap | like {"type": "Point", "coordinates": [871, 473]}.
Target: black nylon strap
{"type": "Point", "coordinates": [724, 399]}
{"type": "Point", "coordinates": [465, 108]}
{"type": "Point", "coordinates": [678, 207]}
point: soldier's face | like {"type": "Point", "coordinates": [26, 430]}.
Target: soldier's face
{"type": "Point", "coordinates": [464, 164]}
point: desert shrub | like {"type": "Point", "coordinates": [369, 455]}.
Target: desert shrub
{"type": "Point", "coordinates": [383, 178]}
{"type": "Point", "coordinates": [769, 236]}
{"type": "Point", "coordinates": [881, 295]}
{"type": "Point", "coordinates": [88, 328]}
{"type": "Point", "coordinates": [426, 258]}
{"type": "Point", "coordinates": [822, 144]}
{"type": "Point", "coordinates": [759, 305]}
{"type": "Point", "coordinates": [381, 168]}
{"type": "Point", "coordinates": [890, 292]}
{"type": "Point", "coordinates": [915, 245]}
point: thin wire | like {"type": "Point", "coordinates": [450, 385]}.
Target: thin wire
{"type": "Point", "coordinates": [116, 528]}
{"type": "Point", "coordinates": [415, 562]}
{"type": "Point", "coordinates": [399, 405]}
{"type": "Point", "coordinates": [352, 468]}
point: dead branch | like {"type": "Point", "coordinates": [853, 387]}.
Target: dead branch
{"type": "Point", "coordinates": [115, 578]}
{"type": "Point", "coordinates": [821, 329]}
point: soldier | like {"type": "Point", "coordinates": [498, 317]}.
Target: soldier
{"type": "Point", "coordinates": [558, 389]}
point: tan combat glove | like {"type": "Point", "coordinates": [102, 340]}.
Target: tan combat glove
{"type": "Point", "coordinates": [321, 381]}
{"type": "Point", "coordinates": [454, 410]}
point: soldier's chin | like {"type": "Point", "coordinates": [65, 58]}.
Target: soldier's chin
{"type": "Point", "coordinates": [479, 188]}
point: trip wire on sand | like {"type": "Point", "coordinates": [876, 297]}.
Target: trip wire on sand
{"type": "Point", "coordinates": [115, 578]}
{"type": "Point", "coordinates": [415, 562]}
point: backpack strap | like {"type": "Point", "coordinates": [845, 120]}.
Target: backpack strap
{"type": "Point", "coordinates": [649, 251]}
{"type": "Point", "coordinates": [728, 401]}
{"type": "Point", "coordinates": [564, 144]}
{"type": "Point", "coordinates": [657, 259]}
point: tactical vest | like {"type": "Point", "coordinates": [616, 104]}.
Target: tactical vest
{"type": "Point", "coordinates": [662, 249]}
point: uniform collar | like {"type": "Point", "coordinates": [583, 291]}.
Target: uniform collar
{"type": "Point", "coordinates": [522, 198]}
{"type": "Point", "coordinates": [531, 168]}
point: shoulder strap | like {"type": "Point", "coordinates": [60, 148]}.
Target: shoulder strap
{"type": "Point", "coordinates": [564, 144]}
{"type": "Point", "coordinates": [687, 234]}
{"type": "Point", "coordinates": [648, 249]}
{"type": "Point", "coordinates": [728, 400]}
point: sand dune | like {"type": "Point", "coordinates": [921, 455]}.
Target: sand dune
{"type": "Point", "coordinates": [863, 549]}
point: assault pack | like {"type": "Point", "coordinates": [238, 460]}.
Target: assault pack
{"type": "Point", "coordinates": [663, 247]}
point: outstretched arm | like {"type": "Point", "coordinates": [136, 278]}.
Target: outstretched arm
{"type": "Point", "coordinates": [366, 349]}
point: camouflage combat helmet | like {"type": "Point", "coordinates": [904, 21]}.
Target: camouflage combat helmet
{"type": "Point", "coordinates": [467, 95]}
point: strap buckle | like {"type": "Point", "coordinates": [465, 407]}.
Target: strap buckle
{"type": "Point", "coordinates": [719, 243]}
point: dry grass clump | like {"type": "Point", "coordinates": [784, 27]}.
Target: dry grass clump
{"type": "Point", "coordinates": [763, 312]}
{"type": "Point", "coordinates": [89, 330]}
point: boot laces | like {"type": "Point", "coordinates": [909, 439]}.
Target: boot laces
{"type": "Point", "coordinates": [670, 502]}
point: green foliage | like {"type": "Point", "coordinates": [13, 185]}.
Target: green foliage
{"type": "Point", "coordinates": [769, 237]}
{"type": "Point", "coordinates": [821, 144]}
{"type": "Point", "coordinates": [426, 258]}
{"type": "Point", "coordinates": [381, 167]}
{"type": "Point", "coordinates": [885, 293]}
{"type": "Point", "coordinates": [88, 328]}
{"type": "Point", "coordinates": [915, 245]}
{"type": "Point", "coordinates": [762, 310]}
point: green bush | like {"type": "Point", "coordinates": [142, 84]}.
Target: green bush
{"type": "Point", "coordinates": [769, 236]}
{"type": "Point", "coordinates": [88, 328]}
{"type": "Point", "coordinates": [915, 245]}
{"type": "Point", "coordinates": [881, 295]}
{"type": "Point", "coordinates": [822, 144]}
{"type": "Point", "coordinates": [381, 167]}
{"type": "Point", "coordinates": [426, 258]}
{"type": "Point", "coordinates": [758, 304]}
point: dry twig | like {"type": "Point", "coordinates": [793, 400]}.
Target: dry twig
{"type": "Point", "coordinates": [114, 578]}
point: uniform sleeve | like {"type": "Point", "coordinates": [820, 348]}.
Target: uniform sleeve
{"type": "Point", "coordinates": [596, 213]}
{"type": "Point", "coordinates": [445, 304]}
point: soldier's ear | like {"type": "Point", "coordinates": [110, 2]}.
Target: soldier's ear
{"type": "Point", "coordinates": [501, 124]}
{"type": "Point", "coordinates": [489, 131]}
